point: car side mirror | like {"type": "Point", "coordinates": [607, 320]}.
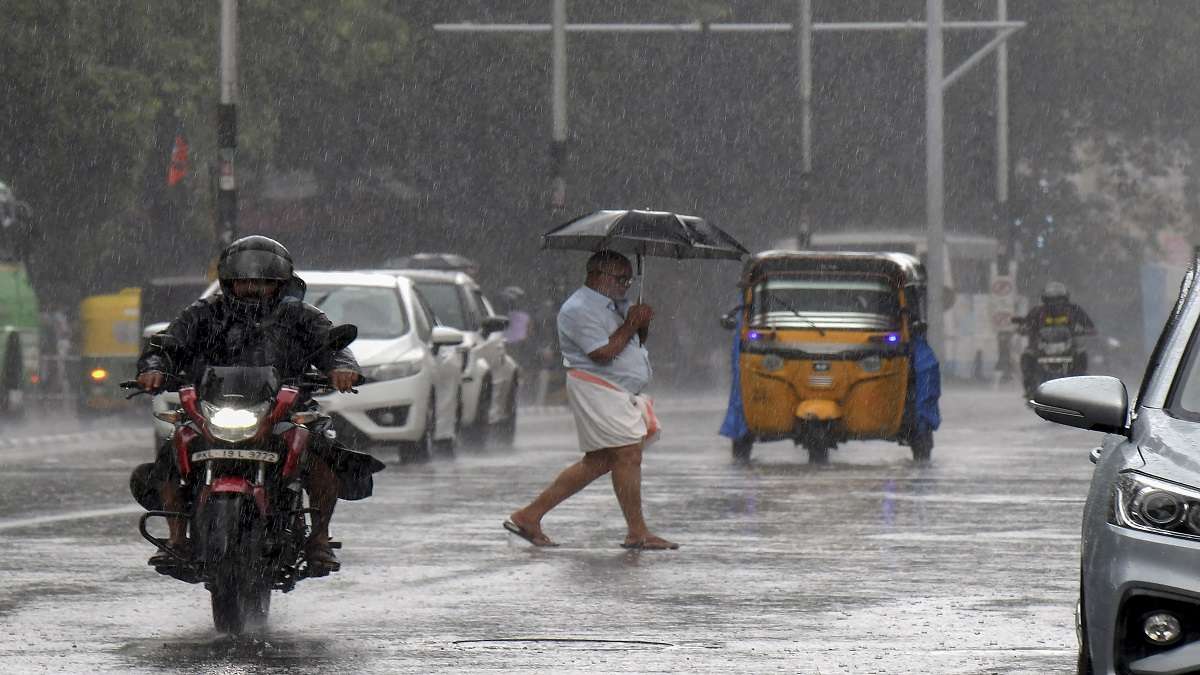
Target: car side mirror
{"type": "Point", "coordinates": [1091, 402]}
{"type": "Point", "coordinates": [494, 324]}
{"type": "Point", "coordinates": [444, 336]}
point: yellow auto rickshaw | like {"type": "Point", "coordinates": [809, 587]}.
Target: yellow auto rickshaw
{"type": "Point", "coordinates": [830, 347]}
{"type": "Point", "coordinates": [110, 343]}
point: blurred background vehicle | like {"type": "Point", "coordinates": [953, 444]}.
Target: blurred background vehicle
{"type": "Point", "coordinates": [490, 375]}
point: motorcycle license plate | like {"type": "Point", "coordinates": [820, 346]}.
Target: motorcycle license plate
{"type": "Point", "coordinates": [235, 453]}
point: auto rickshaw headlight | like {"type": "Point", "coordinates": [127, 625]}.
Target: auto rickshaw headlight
{"type": "Point", "coordinates": [772, 363]}
{"type": "Point", "coordinates": [871, 364]}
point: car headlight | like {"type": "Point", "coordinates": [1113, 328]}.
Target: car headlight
{"type": "Point", "coordinates": [1144, 503]}
{"type": "Point", "coordinates": [393, 371]}
{"type": "Point", "coordinates": [233, 424]}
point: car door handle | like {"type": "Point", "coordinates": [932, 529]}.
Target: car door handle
{"type": "Point", "coordinates": [1096, 454]}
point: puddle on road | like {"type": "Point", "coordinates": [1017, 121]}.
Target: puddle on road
{"type": "Point", "coordinates": [215, 653]}
{"type": "Point", "coordinates": [588, 644]}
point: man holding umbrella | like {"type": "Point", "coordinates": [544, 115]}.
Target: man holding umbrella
{"type": "Point", "coordinates": [602, 339]}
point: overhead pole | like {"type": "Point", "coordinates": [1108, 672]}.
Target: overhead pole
{"type": "Point", "coordinates": [227, 208]}
{"type": "Point", "coordinates": [1002, 138]}
{"type": "Point", "coordinates": [934, 173]}
{"type": "Point", "coordinates": [805, 188]}
{"type": "Point", "coordinates": [936, 82]}
{"type": "Point", "coordinates": [558, 143]}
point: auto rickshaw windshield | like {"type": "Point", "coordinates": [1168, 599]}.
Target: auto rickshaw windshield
{"type": "Point", "coordinates": [825, 301]}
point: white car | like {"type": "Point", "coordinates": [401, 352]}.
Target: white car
{"type": "Point", "coordinates": [490, 375]}
{"type": "Point", "coordinates": [411, 399]}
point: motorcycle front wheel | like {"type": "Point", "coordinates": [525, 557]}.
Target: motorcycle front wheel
{"type": "Point", "coordinates": [240, 602]}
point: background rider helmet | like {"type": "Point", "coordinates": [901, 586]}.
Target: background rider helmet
{"type": "Point", "coordinates": [1055, 293]}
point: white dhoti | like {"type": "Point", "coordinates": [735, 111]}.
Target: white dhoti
{"type": "Point", "coordinates": [607, 416]}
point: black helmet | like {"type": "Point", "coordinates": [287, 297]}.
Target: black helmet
{"type": "Point", "coordinates": [1055, 292]}
{"type": "Point", "coordinates": [255, 257]}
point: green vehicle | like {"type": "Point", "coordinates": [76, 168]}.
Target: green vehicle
{"type": "Point", "coordinates": [19, 319]}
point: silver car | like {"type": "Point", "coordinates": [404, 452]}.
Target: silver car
{"type": "Point", "coordinates": [1139, 596]}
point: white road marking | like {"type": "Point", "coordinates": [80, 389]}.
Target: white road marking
{"type": "Point", "coordinates": [18, 523]}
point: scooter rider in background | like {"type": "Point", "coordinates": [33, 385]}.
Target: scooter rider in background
{"type": "Point", "coordinates": [258, 319]}
{"type": "Point", "coordinates": [1056, 310]}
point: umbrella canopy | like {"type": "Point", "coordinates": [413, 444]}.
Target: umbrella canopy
{"type": "Point", "coordinates": [433, 261]}
{"type": "Point", "coordinates": [645, 233]}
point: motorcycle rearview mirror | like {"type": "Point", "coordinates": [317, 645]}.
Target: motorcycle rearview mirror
{"type": "Point", "coordinates": [341, 336]}
{"type": "Point", "coordinates": [729, 319]}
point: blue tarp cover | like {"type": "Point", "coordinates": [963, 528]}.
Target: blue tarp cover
{"type": "Point", "coordinates": [929, 385]}
{"type": "Point", "coordinates": [734, 425]}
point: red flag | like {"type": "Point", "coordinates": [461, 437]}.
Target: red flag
{"type": "Point", "coordinates": [179, 161]}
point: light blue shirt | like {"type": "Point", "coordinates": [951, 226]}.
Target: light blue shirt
{"type": "Point", "coordinates": [585, 322]}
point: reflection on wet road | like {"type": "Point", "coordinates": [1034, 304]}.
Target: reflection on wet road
{"type": "Point", "coordinates": [871, 564]}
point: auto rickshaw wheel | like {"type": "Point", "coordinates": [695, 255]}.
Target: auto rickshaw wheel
{"type": "Point", "coordinates": [817, 438]}
{"type": "Point", "coordinates": [922, 445]}
{"type": "Point", "coordinates": [742, 447]}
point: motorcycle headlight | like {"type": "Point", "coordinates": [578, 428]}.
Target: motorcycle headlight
{"type": "Point", "coordinates": [234, 424]}
{"type": "Point", "coordinates": [393, 371]}
{"type": "Point", "coordinates": [1055, 348]}
{"type": "Point", "coordinates": [1144, 503]}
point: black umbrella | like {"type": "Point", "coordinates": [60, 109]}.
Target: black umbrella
{"type": "Point", "coordinates": [645, 233]}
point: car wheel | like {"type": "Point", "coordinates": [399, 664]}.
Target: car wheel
{"type": "Point", "coordinates": [424, 448]}
{"type": "Point", "coordinates": [478, 431]}
{"type": "Point", "coordinates": [1083, 661]}
{"type": "Point", "coordinates": [506, 429]}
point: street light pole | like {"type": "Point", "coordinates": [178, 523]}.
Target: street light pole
{"type": "Point", "coordinates": [934, 174]}
{"type": "Point", "coordinates": [804, 43]}
{"type": "Point", "coordinates": [227, 210]}
{"type": "Point", "coordinates": [1002, 139]}
{"type": "Point", "coordinates": [936, 82]}
{"type": "Point", "coordinates": [558, 142]}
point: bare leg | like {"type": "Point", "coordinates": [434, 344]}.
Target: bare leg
{"type": "Point", "coordinates": [572, 479]}
{"type": "Point", "coordinates": [172, 500]}
{"type": "Point", "coordinates": [627, 484]}
{"type": "Point", "coordinates": [322, 490]}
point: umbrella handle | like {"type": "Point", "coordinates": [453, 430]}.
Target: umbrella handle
{"type": "Point", "coordinates": [641, 278]}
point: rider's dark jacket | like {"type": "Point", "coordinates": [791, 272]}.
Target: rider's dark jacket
{"type": "Point", "coordinates": [1058, 314]}
{"type": "Point", "coordinates": [220, 331]}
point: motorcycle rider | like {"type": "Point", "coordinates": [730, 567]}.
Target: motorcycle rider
{"type": "Point", "coordinates": [1056, 310]}
{"type": "Point", "coordinates": [258, 319]}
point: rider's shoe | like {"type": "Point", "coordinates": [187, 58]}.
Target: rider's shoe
{"type": "Point", "coordinates": [163, 558]}
{"type": "Point", "coordinates": [321, 560]}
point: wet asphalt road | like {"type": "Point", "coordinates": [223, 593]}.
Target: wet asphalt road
{"type": "Point", "coordinates": [869, 565]}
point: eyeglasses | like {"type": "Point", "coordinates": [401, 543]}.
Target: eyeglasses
{"type": "Point", "coordinates": [623, 280]}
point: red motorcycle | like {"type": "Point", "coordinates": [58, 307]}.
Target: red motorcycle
{"type": "Point", "coordinates": [240, 441]}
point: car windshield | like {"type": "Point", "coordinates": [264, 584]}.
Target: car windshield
{"type": "Point", "coordinates": [825, 301]}
{"type": "Point", "coordinates": [375, 310]}
{"type": "Point", "coordinates": [446, 303]}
